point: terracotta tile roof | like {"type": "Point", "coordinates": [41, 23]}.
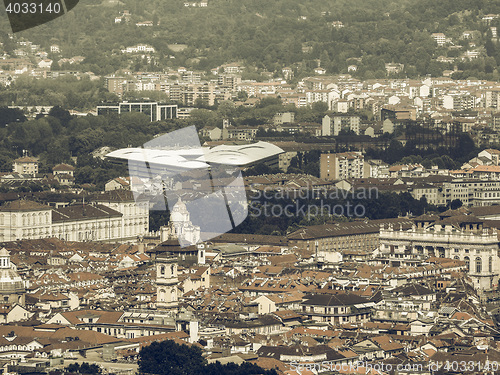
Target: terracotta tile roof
{"type": "Point", "coordinates": [287, 314]}
{"type": "Point", "coordinates": [387, 344]}
{"type": "Point", "coordinates": [461, 316]}
{"type": "Point", "coordinates": [270, 364]}
{"type": "Point", "coordinates": [26, 159]}
{"type": "Point", "coordinates": [63, 167]}
{"type": "Point", "coordinates": [85, 338]}
{"type": "Point", "coordinates": [334, 300]}
{"type": "Point", "coordinates": [76, 317]}
{"type": "Point", "coordinates": [85, 276]}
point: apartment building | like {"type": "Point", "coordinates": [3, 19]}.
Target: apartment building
{"type": "Point", "coordinates": [341, 166]}
{"type": "Point", "coordinates": [25, 165]}
{"type": "Point", "coordinates": [332, 125]}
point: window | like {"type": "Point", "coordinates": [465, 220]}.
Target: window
{"type": "Point", "coordinates": [161, 294]}
{"type": "Point", "coordinates": [467, 263]}
{"type": "Point", "coordinates": [162, 270]}
{"type": "Point", "coordinates": [490, 264]}
{"type": "Point", "coordinates": [479, 265]}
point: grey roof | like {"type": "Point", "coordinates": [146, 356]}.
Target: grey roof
{"type": "Point", "coordinates": [412, 290]}
{"type": "Point", "coordinates": [83, 212]}
{"type": "Point", "coordinates": [346, 229]}
{"type": "Point", "coordinates": [447, 310]}
{"type": "Point", "coordinates": [335, 300]}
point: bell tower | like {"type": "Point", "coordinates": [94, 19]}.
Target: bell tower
{"type": "Point", "coordinates": [166, 282]}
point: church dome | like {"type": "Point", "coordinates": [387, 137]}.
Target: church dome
{"type": "Point", "coordinates": [180, 206]}
{"type": "Point", "coordinates": [179, 212]}
{"type": "Point", "coordinates": [10, 281]}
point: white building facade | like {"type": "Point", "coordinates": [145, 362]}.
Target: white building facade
{"type": "Point", "coordinates": [450, 235]}
{"type": "Point", "coordinates": [106, 219]}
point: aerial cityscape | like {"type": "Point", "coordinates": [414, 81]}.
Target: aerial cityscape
{"type": "Point", "coordinates": [276, 188]}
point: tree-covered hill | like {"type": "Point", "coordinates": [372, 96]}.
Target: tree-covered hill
{"type": "Point", "coordinates": [272, 34]}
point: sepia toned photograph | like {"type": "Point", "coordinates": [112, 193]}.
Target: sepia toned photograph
{"type": "Point", "coordinates": [222, 187]}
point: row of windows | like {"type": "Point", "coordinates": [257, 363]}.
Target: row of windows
{"type": "Point", "coordinates": [478, 264]}
{"type": "Point", "coordinates": [162, 294]}
{"type": "Point", "coordinates": [163, 269]}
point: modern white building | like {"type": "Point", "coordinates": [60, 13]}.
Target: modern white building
{"type": "Point", "coordinates": [156, 111]}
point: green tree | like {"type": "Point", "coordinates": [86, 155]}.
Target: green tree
{"type": "Point", "coordinates": [170, 358]}
{"type": "Point", "coordinates": [456, 203]}
{"type": "Point", "coordinates": [84, 368]}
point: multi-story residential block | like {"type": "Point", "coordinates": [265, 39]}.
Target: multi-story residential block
{"type": "Point", "coordinates": [433, 194]}
{"type": "Point", "coordinates": [241, 133]}
{"type": "Point", "coordinates": [341, 166]}
{"type": "Point", "coordinates": [337, 309]}
{"type": "Point", "coordinates": [284, 118]}
{"type": "Point", "coordinates": [492, 98]}
{"type": "Point", "coordinates": [471, 192]}
{"type": "Point", "coordinates": [313, 96]}
{"type": "Point", "coordinates": [395, 113]}
{"type": "Point", "coordinates": [332, 125]}
{"type": "Point", "coordinates": [229, 80]}
{"type": "Point", "coordinates": [116, 85]}
{"type": "Point", "coordinates": [440, 38]}
{"type": "Point", "coordinates": [459, 101]}
{"type": "Point", "coordinates": [25, 165]}
{"type": "Point", "coordinates": [375, 168]}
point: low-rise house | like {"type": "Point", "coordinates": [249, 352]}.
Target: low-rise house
{"type": "Point", "coordinates": [337, 308]}
{"type": "Point", "coordinates": [274, 302]}
{"type": "Point", "coordinates": [113, 323]}
{"type": "Point", "coordinates": [13, 313]}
